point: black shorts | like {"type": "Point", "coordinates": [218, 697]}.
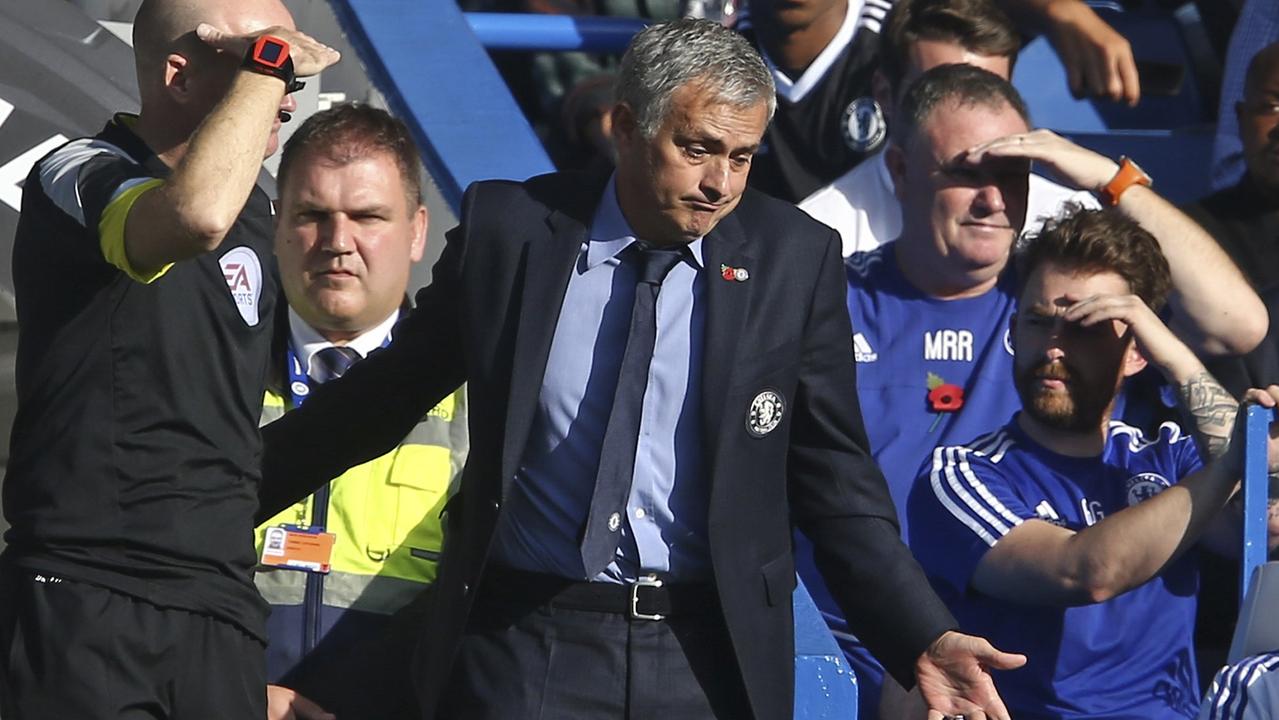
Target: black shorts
{"type": "Point", "coordinates": [75, 650]}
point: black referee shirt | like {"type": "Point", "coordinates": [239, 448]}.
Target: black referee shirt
{"type": "Point", "coordinates": [135, 450]}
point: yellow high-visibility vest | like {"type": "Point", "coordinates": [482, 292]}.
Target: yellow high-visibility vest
{"type": "Point", "coordinates": [385, 515]}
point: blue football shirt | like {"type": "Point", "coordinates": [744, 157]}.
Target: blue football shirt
{"type": "Point", "coordinates": [906, 342]}
{"type": "Point", "coordinates": [903, 342]}
{"type": "Point", "coordinates": [1130, 657]}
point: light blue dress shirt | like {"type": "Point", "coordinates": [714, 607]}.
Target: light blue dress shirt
{"type": "Point", "coordinates": [664, 530]}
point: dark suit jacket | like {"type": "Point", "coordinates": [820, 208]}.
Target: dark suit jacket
{"type": "Point", "coordinates": [488, 319]}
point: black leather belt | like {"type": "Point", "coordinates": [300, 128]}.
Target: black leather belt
{"type": "Point", "coordinates": [647, 598]}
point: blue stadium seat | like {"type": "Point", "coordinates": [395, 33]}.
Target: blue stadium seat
{"type": "Point", "coordinates": [1176, 159]}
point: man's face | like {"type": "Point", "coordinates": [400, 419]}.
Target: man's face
{"type": "Point", "coordinates": [971, 213]}
{"type": "Point", "coordinates": [676, 186]}
{"type": "Point", "coordinates": [1067, 374]}
{"type": "Point", "coordinates": [1259, 121]}
{"type": "Point", "coordinates": [346, 238]}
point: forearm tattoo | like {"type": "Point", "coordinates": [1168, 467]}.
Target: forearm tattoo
{"type": "Point", "coordinates": [1212, 409]}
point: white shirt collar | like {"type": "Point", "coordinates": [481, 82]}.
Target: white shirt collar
{"type": "Point", "coordinates": [307, 341]}
{"type": "Point", "coordinates": [795, 90]}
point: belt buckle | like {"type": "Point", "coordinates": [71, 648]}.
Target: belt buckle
{"type": "Point", "coordinates": [651, 581]}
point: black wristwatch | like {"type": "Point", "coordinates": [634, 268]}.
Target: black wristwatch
{"type": "Point", "coordinates": [269, 55]}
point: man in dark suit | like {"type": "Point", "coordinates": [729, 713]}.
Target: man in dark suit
{"type": "Point", "coordinates": [620, 541]}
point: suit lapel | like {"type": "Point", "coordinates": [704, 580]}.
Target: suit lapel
{"type": "Point", "coordinates": [726, 305]}
{"type": "Point", "coordinates": [546, 274]}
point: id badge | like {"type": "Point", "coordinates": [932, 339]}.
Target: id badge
{"type": "Point", "coordinates": [289, 546]}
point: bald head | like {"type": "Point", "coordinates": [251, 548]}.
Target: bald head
{"type": "Point", "coordinates": [1259, 120]}
{"type": "Point", "coordinates": [165, 27]}
{"type": "Point", "coordinates": [1263, 70]}
{"type": "Point", "coordinates": [181, 78]}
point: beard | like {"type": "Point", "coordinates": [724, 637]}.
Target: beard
{"type": "Point", "coordinates": [1077, 406]}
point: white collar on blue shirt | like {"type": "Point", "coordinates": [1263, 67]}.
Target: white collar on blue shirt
{"type": "Point", "coordinates": [307, 341]}
{"type": "Point", "coordinates": [611, 234]}
{"type": "Point", "coordinates": [797, 89]}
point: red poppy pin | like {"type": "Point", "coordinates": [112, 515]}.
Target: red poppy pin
{"type": "Point", "coordinates": [733, 274]}
{"type": "Point", "coordinates": [943, 397]}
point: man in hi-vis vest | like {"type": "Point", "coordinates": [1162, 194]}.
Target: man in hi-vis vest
{"type": "Point", "coordinates": [337, 566]}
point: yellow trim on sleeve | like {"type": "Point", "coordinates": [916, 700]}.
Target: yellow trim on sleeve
{"type": "Point", "coordinates": [111, 232]}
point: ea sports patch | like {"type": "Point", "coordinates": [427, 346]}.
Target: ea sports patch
{"type": "Point", "coordinates": [864, 126]}
{"type": "Point", "coordinates": [1145, 486]}
{"type": "Point", "coordinates": [243, 273]}
{"type": "Point", "coordinates": [765, 414]}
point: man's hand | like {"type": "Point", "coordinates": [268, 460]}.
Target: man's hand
{"type": "Point", "coordinates": [310, 56]}
{"type": "Point", "coordinates": [954, 679]}
{"type": "Point", "coordinates": [1267, 398]}
{"type": "Point", "coordinates": [1098, 60]}
{"type": "Point", "coordinates": [285, 704]}
{"type": "Point", "coordinates": [1154, 340]}
{"type": "Point", "coordinates": [1069, 163]}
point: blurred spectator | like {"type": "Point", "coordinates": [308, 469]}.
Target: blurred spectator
{"type": "Point", "coordinates": [1244, 218]}
{"type": "Point", "coordinates": [351, 225]}
{"type": "Point", "coordinates": [1098, 60]}
{"type": "Point", "coordinates": [1257, 27]}
{"type": "Point", "coordinates": [1246, 690]}
{"type": "Point", "coordinates": [560, 91]}
{"type": "Point", "coordinates": [822, 54]}
{"type": "Point", "coordinates": [920, 35]}
{"type": "Point", "coordinates": [930, 311]}
{"type": "Point", "coordinates": [1066, 534]}
{"type": "Point", "coordinates": [586, 123]}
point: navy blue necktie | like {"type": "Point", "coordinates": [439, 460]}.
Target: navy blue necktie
{"type": "Point", "coordinates": [617, 454]}
{"type": "Point", "coordinates": [332, 362]}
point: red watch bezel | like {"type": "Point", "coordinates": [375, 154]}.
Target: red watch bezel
{"type": "Point", "coordinates": [260, 44]}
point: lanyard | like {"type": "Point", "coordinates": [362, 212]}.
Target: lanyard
{"type": "Point", "coordinates": [299, 381]}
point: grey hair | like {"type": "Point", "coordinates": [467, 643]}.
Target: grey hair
{"type": "Point", "coordinates": [962, 84]}
{"type": "Point", "coordinates": [663, 58]}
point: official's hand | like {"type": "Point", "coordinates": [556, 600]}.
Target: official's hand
{"type": "Point", "coordinates": [1071, 164]}
{"type": "Point", "coordinates": [954, 678]}
{"type": "Point", "coordinates": [1156, 342]}
{"type": "Point", "coordinates": [1098, 60]}
{"type": "Point", "coordinates": [310, 56]}
{"type": "Point", "coordinates": [285, 704]}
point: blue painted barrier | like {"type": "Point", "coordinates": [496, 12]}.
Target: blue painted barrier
{"type": "Point", "coordinates": [519, 31]}
{"type": "Point", "coordinates": [825, 688]}
{"type": "Point", "coordinates": [423, 57]}
{"type": "Point", "coordinates": [1256, 490]}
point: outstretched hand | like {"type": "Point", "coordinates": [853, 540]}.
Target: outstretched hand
{"type": "Point", "coordinates": [310, 56]}
{"type": "Point", "coordinates": [285, 704]}
{"type": "Point", "coordinates": [954, 677]}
